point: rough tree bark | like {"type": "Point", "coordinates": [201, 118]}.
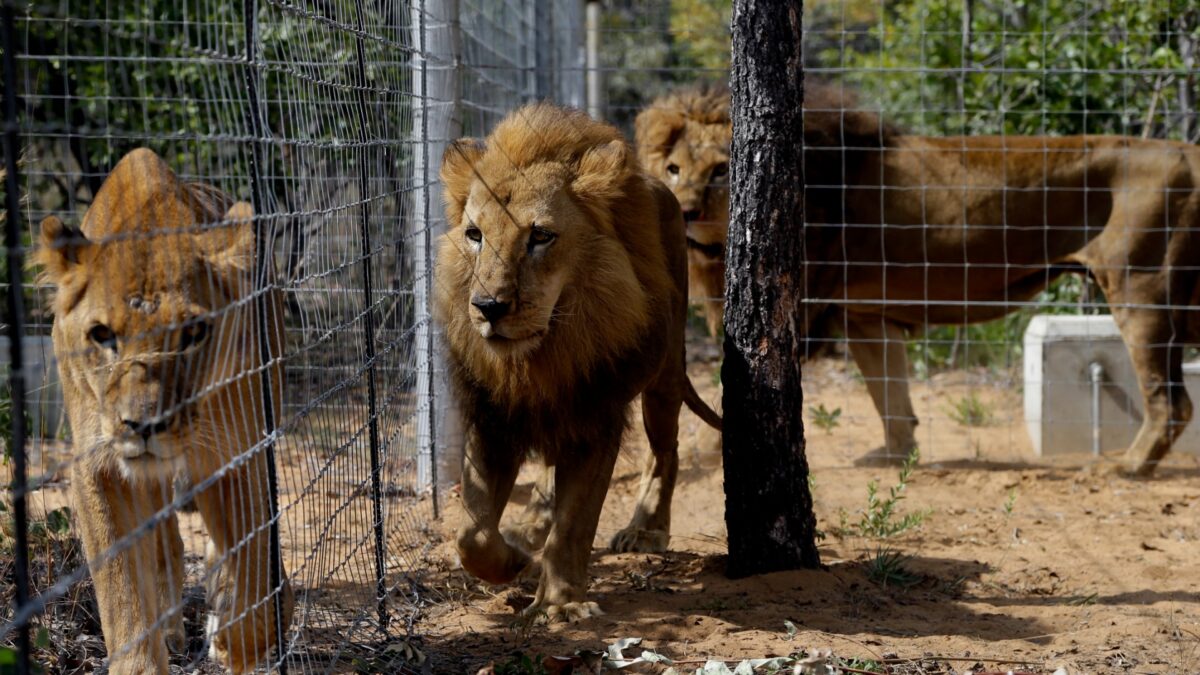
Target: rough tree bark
{"type": "Point", "coordinates": [768, 507]}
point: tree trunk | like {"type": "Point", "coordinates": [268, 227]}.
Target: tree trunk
{"type": "Point", "coordinates": [768, 507]}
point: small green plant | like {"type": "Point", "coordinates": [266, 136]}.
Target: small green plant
{"type": "Point", "coordinates": [825, 419]}
{"type": "Point", "coordinates": [888, 567]}
{"type": "Point", "coordinates": [1009, 503]}
{"type": "Point", "coordinates": [881, 518]}
{"type": "Point", "coordinates": [970, 411]}
{"type": "Point", "coordinates": [520, 663]}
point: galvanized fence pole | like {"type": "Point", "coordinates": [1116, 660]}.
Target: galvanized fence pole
{"type": "Point", "coordinates": [369, 322]}
{"type": "Point", "coordinates": [595, 78]}
{"type": "Point", "coordinates": [16, 329]}
{"type": "Point", "coordinates": [262, 280]}
{"type": "Point", "coordinates": [438, 119]}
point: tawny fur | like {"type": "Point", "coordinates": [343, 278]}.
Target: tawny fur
{"type": "Point", "coordinates": [165, 270]}
{"type": "Point", "coordinates": [969, 224]}
{"type": "Point", "coordinates": [597, 317]}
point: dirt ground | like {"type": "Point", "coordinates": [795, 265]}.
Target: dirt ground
{"type": "Point", "coordinates": [1022, 564]}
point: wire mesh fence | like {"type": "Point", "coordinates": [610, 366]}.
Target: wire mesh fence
{"type": "Point", "coordinates": [242, 200]}
{"type": "Point", "coordinates": [949, 266]}
{"type": "Point", "coordinates": [310, 134]}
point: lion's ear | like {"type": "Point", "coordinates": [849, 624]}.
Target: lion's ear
{"type": "Point", "coordinates": [458, 166]}
{"type": "Point", "coordinates": [601, 170]}
{"type": "Point", "coordinates": [60, 250]}
{"type": "Point", "coordinates": [657, 130]}
{"type": "Point", "coordinates": [229, 245]}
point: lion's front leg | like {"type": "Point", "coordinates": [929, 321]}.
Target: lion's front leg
{"type": "Point", "coordinates": [529, 532]}
{"type": "Point", "coordinates": [580, 485]}
{"type": "Point", "coordinates": [169, 549]}
{"type": "Point", "coordinates": [878, 348]}
{"type": "Point", "coordinates": [236, 513]}
{"type": "Point", "coordinates": [649, 530]}
{"type": "Point", "coordinates": [107, 510]}
{"type": "Point", "coordinates": [489, 472]}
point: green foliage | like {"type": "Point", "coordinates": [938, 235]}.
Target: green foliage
{"type": "Point", "coordinates": [1067, 66]}
{"type": "Point", "coordinates": [971, 411]}
{"type": "Point", "coordinates": [881, 518]}
{"type": "Point", "coordinates": [701, 32]}
{"type": "Point", "coordinates": [890, 568]}
{"type": "Point", "coordinates": [8, 660]}
{"type": "Point", "coordinates": [652, 48]}
{"type": "Point", "coordinates": [823, 418]}
{"type": "Point", "coordinates": [1010, 502]}
{"type": "Point", "coordinates": [520, 663]}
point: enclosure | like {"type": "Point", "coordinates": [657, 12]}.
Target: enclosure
{"type": "Point", "coordinates": [1008, 542]}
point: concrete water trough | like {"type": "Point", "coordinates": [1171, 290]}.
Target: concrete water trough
{"type": "Point", "coordinates": [1081, 393]}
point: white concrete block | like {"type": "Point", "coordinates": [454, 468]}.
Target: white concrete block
{"type": "Point", "coordinates": [43, 393]}
{"type": "Point", "coordinates": [1058, 352]}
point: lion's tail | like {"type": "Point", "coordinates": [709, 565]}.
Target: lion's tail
{"type": "Point", "coordinates": [698, 406]}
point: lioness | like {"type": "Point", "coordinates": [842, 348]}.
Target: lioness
{"type": "Point", "coordinates": [561, 287]}
{"type": "Point", "coordinates": [905, 231]}
{"type": "Point", "coordinates": [155, 332]}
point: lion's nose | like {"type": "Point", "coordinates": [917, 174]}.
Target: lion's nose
{"type": "Point", "coordinates": [690, 215]}
{"type": "Point", "coordinates": [491, 308]}
{"type": "Point", "coordinates": [146, 430]}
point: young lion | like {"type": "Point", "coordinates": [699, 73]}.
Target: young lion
{"type": "Point", "coordinates": [561, 289]}
{"type": "Point", "coordinates": [155, 332]}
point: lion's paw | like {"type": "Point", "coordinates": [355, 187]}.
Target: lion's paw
{"type": "Point", "coordinates": [569, 612]}
{"type": "Point", "coordinates": [636, 540]}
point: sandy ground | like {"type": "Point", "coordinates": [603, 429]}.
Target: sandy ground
{"type": "Point", "coordinates": [1041, 564]}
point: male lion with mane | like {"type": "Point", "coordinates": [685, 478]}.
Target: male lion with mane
{"type": "Point", "coordinates": [905, 231]}
{"type": "Point", "coordinates": [156, 335]}
{"type": "Point", "coordinates": [561, 287]}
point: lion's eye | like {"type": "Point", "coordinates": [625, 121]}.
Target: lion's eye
{"type": "Point", "coordinates": [673, 169]}
{"type": "Point", "coordinates": [474, 234]}
{"type": "Point", "coordinates": [103, 337]}
{"type": "Point", "coordinates": [720, 170]}
{"type": "Point", "coordinates": [193, 334]}
{"type": "Point", "coordinates": [540, 235]}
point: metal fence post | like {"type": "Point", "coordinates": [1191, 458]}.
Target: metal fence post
{"type": "Point", "coordinates": [262, 245]}
{"type": "Point", "coordinates": [595, 78]}
{"type": "Point", "coordinates": [16, 328]}
{"type": "Point", "coordinates": [437, 120]}
{"type": "Point", "coordinates": [369, 324]}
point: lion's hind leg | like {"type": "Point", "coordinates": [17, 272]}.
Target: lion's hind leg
{"type": "Point", "coordinates": [1151, 336]}
{"type": "Point", "coordinates": [649, 529]}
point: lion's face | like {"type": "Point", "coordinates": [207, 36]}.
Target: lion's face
{"type": "Point", "coordinates": [521, 237]}
{"type": "Point", "coordinates": [143, 327]}
{"type": "Point", "coordinates": [683, 140]}
{"type": "Point", "coordinates": [517, 238]}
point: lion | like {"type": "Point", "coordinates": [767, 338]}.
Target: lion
{"type": "Point", "coordinates": [905, 231]}
{"type": "Point", "coordinates": [683, 139]}
{"type": "Point", "coordinates": [155, 332]}
{"type": "Point", "coordinates": [561, 289]}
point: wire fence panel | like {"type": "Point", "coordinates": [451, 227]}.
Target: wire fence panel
{"type": "Point", "coordinates": [1037, 222]}
{"type": "Point", "coordinates": [896, 78]}
{"type": "Point", "coordinates": [293, 151]}
{"type": "Point", "coordinates": [227, 398]}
